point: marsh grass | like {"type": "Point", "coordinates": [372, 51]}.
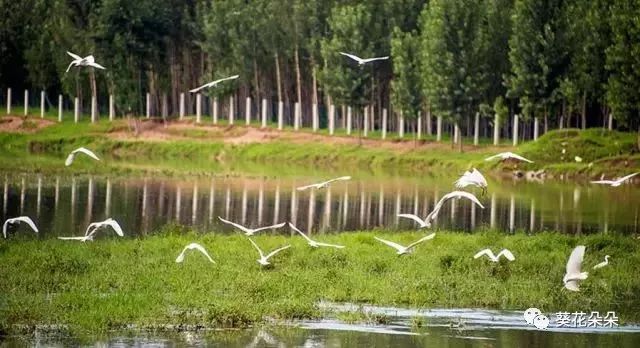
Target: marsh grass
{"type": "Point", "coordinates": [113, 283]}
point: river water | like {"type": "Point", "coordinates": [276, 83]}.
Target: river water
{"type": "Point", "coordinates": [67, 204]}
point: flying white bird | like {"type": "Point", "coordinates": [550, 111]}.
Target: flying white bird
{"type": "Point", "coordinates": [73, 154]}
{"type": "Point", "coordinates": [495, 258]}
{"type": "Point", "coordinates": [214, 83]}
{"type": "Point", "coordinates": [506, 155]}
{"type": "Point", "coordinates": [617, 182]}
{"type": "Point", "coordinates": [603, 263]}
{"type": "Point", "coordinates": [473, 178]}
{"type": "Point", "coordinates": [323, 184]}
{"type": "Point", "coordinates": [574, 276]}
{"type": "Point", "coordinates": [427, 221]}
{"type": "Point", "coordinates": [193, 246]}
{"type": "Point", "coordinates": [264, 260]}
{"type": "Point", "coordinates": [401, 250]}
{"type": "Point", "coordinates": [94, 227]}
{"type": "Point", "coordinates": [363, 61]}
{"type": "Point", "coordinates": [312, 242]}
{"type": "Point", "coordinates": [17, 220]}
{"type": "Point", "coordinates": [86, 61]}
{"type": "Point", "coordinates": [448, 196]}
{"type": "Point", "coordinates": [251, 231]}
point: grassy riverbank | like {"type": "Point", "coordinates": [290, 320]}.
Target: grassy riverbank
{"type": "Point", "coordinates": [112, 283]}
{"type": "Point", "coordinates": [189, 149]}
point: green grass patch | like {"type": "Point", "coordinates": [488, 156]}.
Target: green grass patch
{"type": "Point", "coordinates": [112, 283]}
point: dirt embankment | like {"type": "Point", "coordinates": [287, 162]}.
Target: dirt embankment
{"type": "Point", "coordinates": [16, 124]}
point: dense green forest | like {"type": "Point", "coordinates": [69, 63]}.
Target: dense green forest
{"type": "Point", "coordinates": [565, 63]}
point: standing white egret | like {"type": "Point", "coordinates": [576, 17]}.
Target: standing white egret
{"type": "Point", "coordinates": [603, 263]}
{"type": "Point", "coordinates": [83, 150]}
{"type": "Point", "coordinates": [506, 155]}
{"type": "Point", "coordinates": [495, 258]}
{"type": "Point", "coordinates": [312, 242]}
{"type": "Point", "coordinates": [17, 220]}
{"type": "Point", "coordinates": [251, 231]}
{"type": "Point", "coordinates": [86, 61]}
{"type": "Point", "coordinates": [264, 259]}
{"type": "Point", "coordinates": [473, 178]}
{"type": "Point", "coordinates": [573, 275]}
{"type": "Point", "coordinates": [617, 182]}
{"type": "Point", "coordinates": [323, 184]}
{"type": "Point", "coordinates": [94, 227]}
{"type": "Point", "coordinates": [401, 250]}
{"type": "Point", "coordinates": [214, 83]}
{"type": "Point", "coordinates": [363, 61]}
{"type": "Point", "coordinates": [193, 246]}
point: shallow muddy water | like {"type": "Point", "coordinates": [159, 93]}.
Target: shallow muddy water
{"type": "Point", "coordinates": [67, 204]}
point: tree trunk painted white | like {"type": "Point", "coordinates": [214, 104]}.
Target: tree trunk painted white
{"type": "Point", "coordinates": [264, 113]}
{"type": "Point", "coordinates": [182, 106]}
{"type": "Point", "coordinates": [297, 115]}
{"type": "Point", "coordinates": [476, 129]}
{"type": "Point", "coordinates": [365, 122]}
{"type": "Point", "coordinates": [496, 129]}
{"type": "Point", "coordinates": [535, 128]}
{"type": "Point", "coordinates": [165, 106]}
{"type": "Point", "coordinates": [419, 125]}
{"type": "Point", "coordinates": [76, 110]}
{"type": "Point", "coordinates": [94, 109]}
{"type": "Point", "coordinates": [26, 102]}
{"type": "Point", "coordinates": [384, 123]}
{"type": "Point", "coordinates": [332, 119]}
{"type": "Point", "coordinates": [247, 111]}
{"type": "Point", "coordinates": [148, 113]}
{"type": "Point", "coordinates": [8, 101]}
{"type": "Point", "coordinates": [60, 108]}
{"type": "Point", "coordinates": [41, 104]}
{"type": "Point", "coordinates": [349, 120]}
{"type": "Point", "coordinates": [314, 115]}
{"type": "Point", "coordinates": [439, 128]}
{"type": "Point", "coordinates": [456, 133]}
{"type": "Point", "coordinates": [515, 130]}
{"type": "Point", "coordinates": [215, 110]}
{"type": "Point", "coordinates": [231, 111]}
{"type": "Point", "coordinates": [401, 125]}
{"type": "Point", "coordinates": [198, 108]}
{"type": "Point", "coordinates": [112, 108]}
{"type": "Point", "coordinates": [280, 115]}
{"type": "Point", "coordinates": [610, 123]}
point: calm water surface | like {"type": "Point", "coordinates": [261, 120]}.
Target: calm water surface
{"type": "Point", "coordinates": [67, 204]}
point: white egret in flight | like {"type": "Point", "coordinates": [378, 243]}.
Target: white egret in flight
{"type": "Point", "coordinates": [83, 150]}
{"type": "Point", "coordinates": [312, 242]}
{"type": "Point", "coordinates": [94, 227]}
{"type": "Point", "coordinates": [362, 61]}
{"type": "Point", "coordinates": [193, 246]}
{"type": "Point", "coordinates": [495, 258]}
{"type": "Point", "coordinates": [506, 155]}
{"type": "Point", "coordinates": [264, 259]}
{"type": "Point", "coordinates": [323, 184]}
{"type": "Point", "coordinates": [401, 250]}
{"type": "Point", "coordinates": [214, 83]}
{"type": "Point", "coordinates": [617, 182]}
{"type": "Point", "coordinates": [17, 220]}
{"type": "Point", "coordinates": [86, 61]}
{"type": "Point", "coordinates": [251, 231]}
{"type": "Point", "coordinates": [573, 276]}
{"type": "Point", "coordinates": [472, 178]}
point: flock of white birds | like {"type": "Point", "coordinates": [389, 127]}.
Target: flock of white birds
{"type": "Point", "coordinates": [472, 178]}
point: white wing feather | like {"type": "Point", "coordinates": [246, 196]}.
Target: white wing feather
{"type": "Point", "coordinates": [506, 253]}
{"type": "Point", "coordinates": [414, 218]}
{"type": "Point", "coordinates": [277, 251]}
{"type": "Point", "coordinates": [244, 229]}
{"type": "Point", "coordinates": [268, 227]}
{"type": "Point", "coordinates": [482, 252]}
{"type": "Point", "coordinates": [391, 244]}
{"type": "Point", "coordinates": [300, 232]}
{"type": "Point", "coordinates": [193, 246]}
{"type": "Point", "coordinates": [257, 247]}
{"type": "Point", "coordinates": [421, 240]}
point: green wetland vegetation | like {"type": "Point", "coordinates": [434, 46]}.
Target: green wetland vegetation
{"type": "Point", "coordinates": [115, 283]}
